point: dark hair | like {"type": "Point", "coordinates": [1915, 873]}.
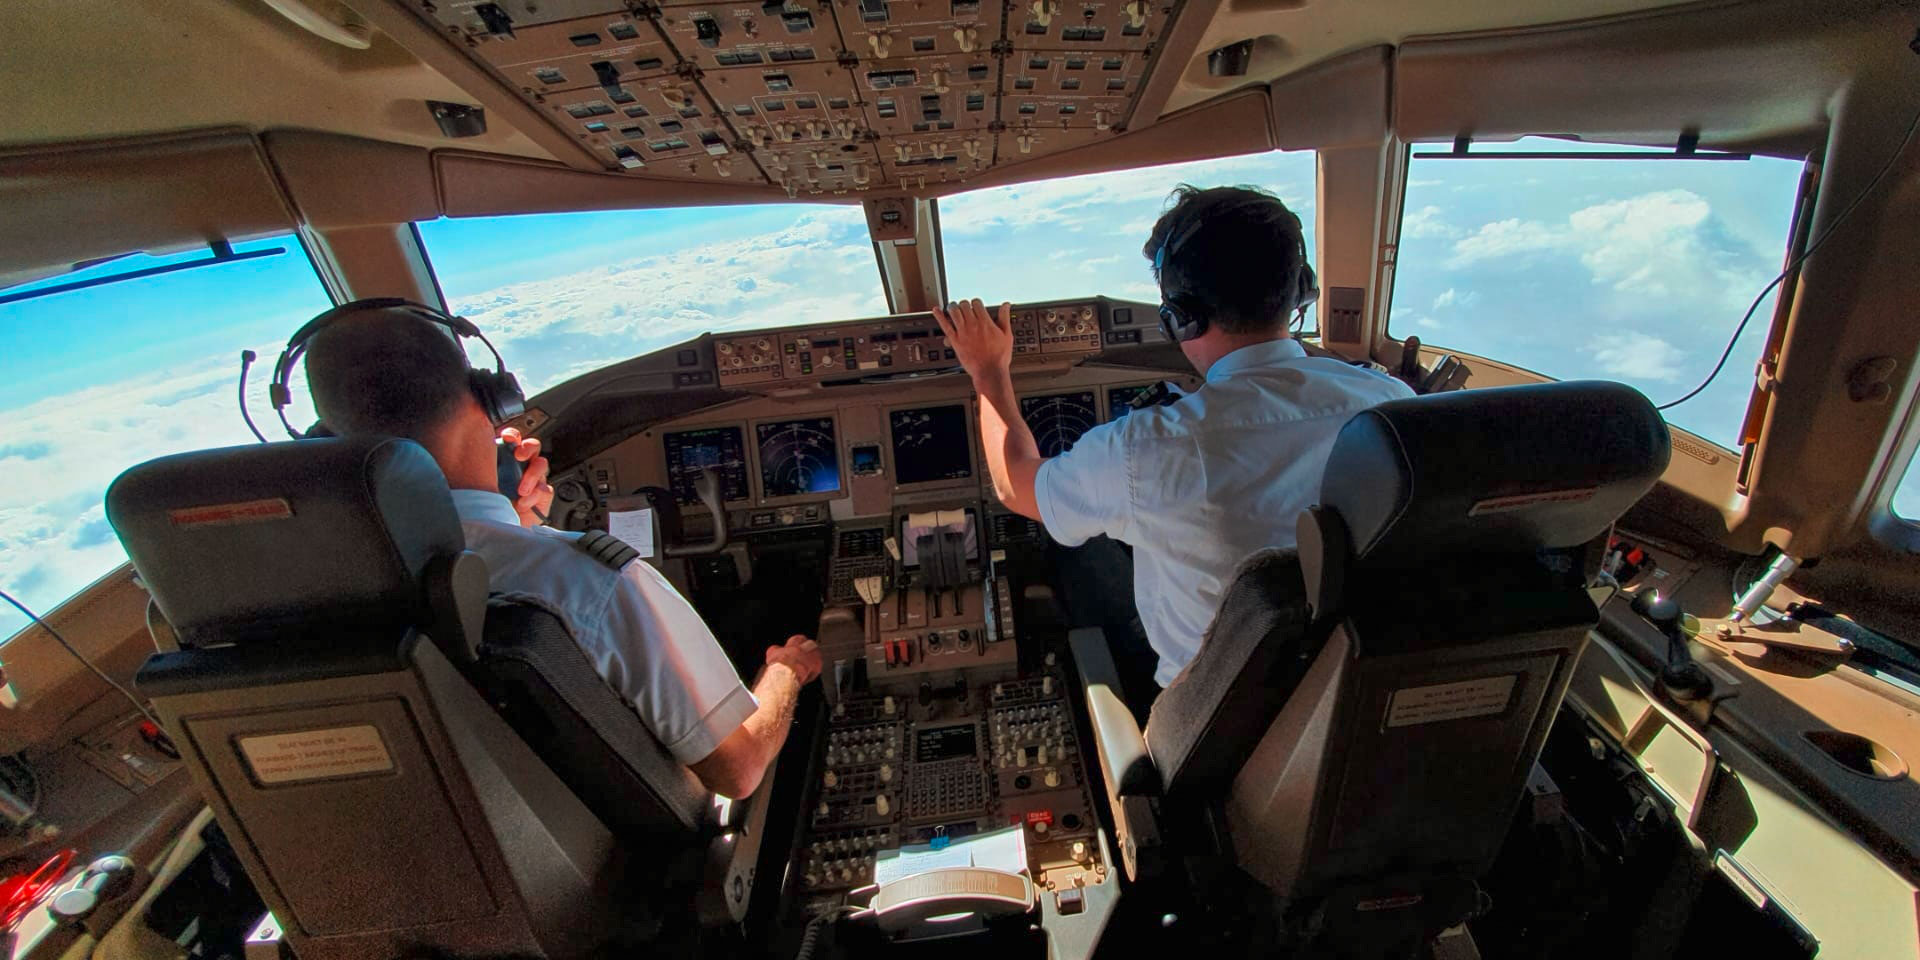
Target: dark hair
{"type": "Point", "coordinates": [1238, 255]}
{"type": "Point", "coordinates": [385, 371]}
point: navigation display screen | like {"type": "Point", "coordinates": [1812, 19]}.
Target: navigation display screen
{"type": "Point", "coordinates": [930, 443]}
{"type": "Point", "coordinates": [932, 744]}
{"type": "Point", "coordinates": [1057, 421]}
{"type": "Point", "coordinates": [798, 457]}
{"type": "Point", "coordinates": [722, 448]}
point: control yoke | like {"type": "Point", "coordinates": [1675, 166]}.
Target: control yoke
{"type": "Point", "coordinates": [706, 485]}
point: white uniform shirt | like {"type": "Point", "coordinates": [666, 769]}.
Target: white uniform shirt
{"type": "Point", "coordinates": [638, 631]}
{"type": "Point", "coordinates": [1200, 484]}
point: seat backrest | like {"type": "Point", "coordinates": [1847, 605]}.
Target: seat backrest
{"type": "Point", "coordinates": [532, 671]}
{"type": "Point", "coordinates": [329, 618]}
{"type": "Point", "coordinates": [1378, 704]}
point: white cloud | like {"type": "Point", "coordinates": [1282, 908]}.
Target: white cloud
{"type": "Point", "coordinates": [1507, 238]}
{"type": "Point", "coordinates": [1452, 298]}
{"type": "Point", "coordinates": [1088, 202]}
{"type": "Point", "coordinates": [1631, 355]}
{"type": "Point", "coordinates": [1663, 244]}
{"type": "Point", "coordinates": [1426, 222]}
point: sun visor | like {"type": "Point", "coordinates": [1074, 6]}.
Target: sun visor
{"type": "Point", "coordinates": [61, 206]}
{"type": "Point", "coordinates": [1742, 75]}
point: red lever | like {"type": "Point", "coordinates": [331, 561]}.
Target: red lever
{"type": "Point", "coordinates": [20, 892]}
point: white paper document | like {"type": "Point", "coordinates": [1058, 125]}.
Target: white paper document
{"type": "Point", "coordinates": [1003, 850]}
{"type": "Point", "coordinates": [634, 528]}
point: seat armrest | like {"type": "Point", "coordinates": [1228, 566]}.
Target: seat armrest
{"type": "Point", "coordinates": [1123, 748]}
{"type": "Point", "coordinates": [1125, 765]}
{"type": "Point", "coordinates": [733, 853]}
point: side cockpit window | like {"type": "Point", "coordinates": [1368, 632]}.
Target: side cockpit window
{"type": "Point", "coordinates": [119, 362]}
{"type": "Point", "coordinates": [1585, 261]}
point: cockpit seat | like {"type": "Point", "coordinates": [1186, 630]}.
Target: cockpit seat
{"type": "Point", "coordinates": [404, 766]}
{"type": "Point", "coordinates": [1362, 716]}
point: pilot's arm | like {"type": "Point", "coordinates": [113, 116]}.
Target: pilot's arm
{"type": "Point", "coordinates": [983, 343]}
{"type": "Point", "coordinates": [663, 658]}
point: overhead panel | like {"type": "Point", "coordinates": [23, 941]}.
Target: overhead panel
{"type": "Point", "coordinates": [817, 96]}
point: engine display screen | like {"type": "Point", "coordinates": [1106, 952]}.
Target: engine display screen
{"type": "Point", "coordinates": [931, 744]}
{"type": "Point", "coordinates": [798, 457]}
{"type": "Point", "coordinates": [722, 448]}
{"type": "Point", "coordinates": [930, 444]}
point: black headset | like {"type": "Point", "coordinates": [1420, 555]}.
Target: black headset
{"type": "Point", "coordinates": [497, 390]}
{"type": "Point", "coordinates": [1185, 316]}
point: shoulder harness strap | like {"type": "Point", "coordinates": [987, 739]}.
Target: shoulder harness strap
{"type": "Point", "coordinates": [607, 549]}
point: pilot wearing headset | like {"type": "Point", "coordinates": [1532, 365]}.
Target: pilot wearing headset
{"type": "Point", "coordinates": [1198, 485]}
{"type": "Point", "coordinates": [389, 367]}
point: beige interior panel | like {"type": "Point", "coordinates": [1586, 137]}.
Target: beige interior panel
{"type": "Point", "coordinates": [59, 207]}
{"type": "Point", "coordinates": [1338, 103]}
{"type": "Point", "coordinates": [475, 185]}
{"type": "Point", "coordinates": [338, 181]}
{"type": "Point", "coordinates": [84, 69]}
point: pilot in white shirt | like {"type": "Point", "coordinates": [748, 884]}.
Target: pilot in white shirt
{"type": "Point", "coordinates": [1196, 486]}
{"type": "Point", "coordinates": [385, 369]}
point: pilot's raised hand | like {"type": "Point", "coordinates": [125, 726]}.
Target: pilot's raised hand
{"type": "Point", "coordinates": [981, 341]}
{"type": "Point", "coordinates": [536, 494]}
{"type": "Point", "coordinates": [800, 654]}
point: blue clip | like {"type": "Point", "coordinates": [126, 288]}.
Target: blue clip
{"type": "Point", "coordinates": [939, 842]}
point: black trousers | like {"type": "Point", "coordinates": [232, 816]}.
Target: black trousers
{"type": "Point", "coordinates": [1094, 585]}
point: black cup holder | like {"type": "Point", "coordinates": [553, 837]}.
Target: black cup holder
{"type": "Point", "coordinates": [1865, 757]}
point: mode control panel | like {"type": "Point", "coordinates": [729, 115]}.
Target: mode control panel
{"type": "Point", "coordinates": [1067, 328]}
{"type": "Point", "coordinates": [910, 343]}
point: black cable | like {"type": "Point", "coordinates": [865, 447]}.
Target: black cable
{"type": "Point", "coordinates": [810, 939]}
{"type": "Point", "coordinates": [77, 655]}
{"type": "Point", "coordinates": [246, 363]}
{"type": "Point", "coordinates": [1795, 263]}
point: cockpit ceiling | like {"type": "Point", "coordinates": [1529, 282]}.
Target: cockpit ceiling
{"type": "Point", "coordinates": [817, 97]}
{"type": "Point", "coordinates": [850, 96]}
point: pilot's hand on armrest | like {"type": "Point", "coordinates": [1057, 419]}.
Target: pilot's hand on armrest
{"type": "Point", "coordinates": [800, 654]}
{"type": "Point", "coordinates": [536, 494]}
{"type": "Point", "coordinates": [981, 341]}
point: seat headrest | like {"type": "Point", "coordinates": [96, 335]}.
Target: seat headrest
{"type": "Point", "coordinates": [1500, 470]}
{"type": "Point", "coordinates": [241, 543]}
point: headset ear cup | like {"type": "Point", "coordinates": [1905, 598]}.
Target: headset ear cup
{"type": "Point", "coordinates": [498, 393]}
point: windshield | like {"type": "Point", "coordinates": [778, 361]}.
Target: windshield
{"type": "Point", "coordinates": [1630, 270]}
{"type": "Point", "coordinates": [563, 294]}
{"type": "Point", "coordinates": [1082, 235]}
{"type": "Point", "coordinates": [99, 379]}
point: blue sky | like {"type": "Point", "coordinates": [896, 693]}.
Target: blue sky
{"type": "Point", "coordinates": [1632, 270]}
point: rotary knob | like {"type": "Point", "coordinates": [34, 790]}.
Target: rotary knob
{"type": "Point", "coordinates": [1052, 779]}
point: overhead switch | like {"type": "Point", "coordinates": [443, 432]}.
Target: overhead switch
{"type": "Point", "coordinates": [607, 74]}
{"type": "Point", "coordinates": [494, 19]}
{"type": "Point", "coordinates": [707, 31]}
